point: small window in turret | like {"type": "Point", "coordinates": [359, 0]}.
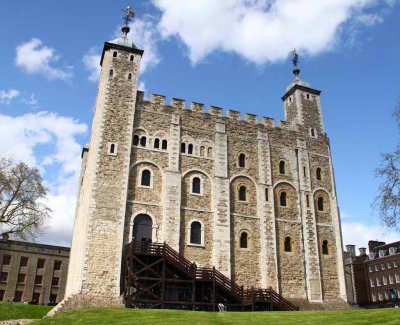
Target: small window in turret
{"type": "Point", "coordinates": [313, 133]}
{"type": "Point", "coordinates": [115, 54]}
{"type": "Point", "coordinates": [112, 149]}
{"type": "Point", "coordinates": [131, 58]}
{"type": "Point", "coordinates": [308, 96]}
{"type": "Point", "coordinates": [130, 76]}
{"type": "Point", "coordinates": [111, 73]}
{"type": "Point", "coordinates": [290, 99]}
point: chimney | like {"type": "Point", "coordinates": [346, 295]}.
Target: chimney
{"type": "Point", "coordinates": [374, 243]}
{"type": "Point", "coordinates": [351, 250]}
{"type": "Point", "coordinates": [363, 251]}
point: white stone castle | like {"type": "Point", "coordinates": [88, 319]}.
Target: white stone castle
{"type": "Point", "coordinates": [254, 199]}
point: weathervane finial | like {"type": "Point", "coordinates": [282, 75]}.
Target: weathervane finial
{"type": "Point", "coordinates": [129, 15]}
{"type": "Point", "coordinates": [295, 61]}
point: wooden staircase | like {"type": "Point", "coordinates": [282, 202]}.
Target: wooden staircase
{"type": "Point", "coordinates": [156, 276]}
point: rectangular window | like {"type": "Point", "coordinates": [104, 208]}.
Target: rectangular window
{"type": "Point", "coordinates": [384, 280]}
{"type": "Point", "coordinates": [382, 266]}
{"type": "Point", "coordinates": [57, 265]}
{"type": "Point", "coordinates": [397, 278]}
{"type": "Point", "coordinates": [372, 282]}
{"type": "Point", "coordinates": [3, 276]}
{"type": "Point", "coordinates": [391, 279]}
{"type": "Point", "coordinates": [380, 296]}
{"type": "Point", "coordinates": [17, 296]}
{"type": "Point", "coordinates": [40, 263]}
{"type": "Point", "coordinates": [378, 282]}
{"type": "Point", "coordinates": [53, 299]}
{"type": "Point", "coordinates": [389, 265]}
{"type": "Point", "coordinates": [24, 261]}
{"type": "Point", "coordinates": [376, 267]}
{"type": "Point", "coordinates": [38, 279]}
{"type": "Point", "coordinates": [394, 263]}
{"type": "Point", "coordinates": [6, 259]}
{"type": "Point", "coordinates": [21, 278]}
{"type": "Point", "coordinates": [373, 297]}
{"type": "Point", "coordinates": [386, 295]}
{"type": "Point", "coordinates": [54, 281]}
{"type": "Point", "coordinates": [36, 298]}
{"type": "Point", "coordinates": [370, 268]}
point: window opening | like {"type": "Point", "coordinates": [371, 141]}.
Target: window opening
{"type": "Point", "coordinates": [282, 167]}
{"type": "Point", "coordinates": [164, 145]}
{"type": "Point", "coordinates": [325, 249]}
{"type": "Point", "coordinates": [282, 199]}
{"type": "Point", "coordinates": [243, 240]}
{"type": "Point", "coordinates": [157, 143]}
{"type": "Point", "coordinates": [143, 141]}
{"type": "Point", "coordinates": [111, 72]}
{"type": "Point", "coordinates": [318, 172]}
{"type": "Point", "coordinates": [183, 147]}
{"type": "Point", "coordinates": [112, 148]}
{"type": "Point", "coordinates": [135, 140]}
{"type": "Point", "coordinates": [266, 194]}
{"type": "Point", "coordinates": [196, 184]}
{"type": "Point", "coordinates": [146, 177]}
{"type": "Point", "coordinates": [190, 149]}
{"type": "Point", "coordinates": [242, 160]}
{"type": "Point", "coordinates": [242, 193]}
{"type": "Point", "coordinates": [130, 76]}
{"type": "Point", "coordinates": [320, 204]}
{"type": "Point", "coordinates": [195, 233]}
{"type": "Point", "coordinates": [308, 200]}
{"type": "Point", "coordinates": [115, 54]}
{"type": "Point", "coordinates": [131, 58]}
{"type": "Point", "coordinates": [288, 244]}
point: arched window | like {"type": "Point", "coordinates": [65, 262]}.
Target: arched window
{"type": "Point", "coordinates": [164, 145]}
{"type": "Point", "coordinates": [325, 249]}
{"type": "Point", "coordinates": [112, 148]}
{"type": "Point", "coordinates": [242, 160]}
{"type": "Point", "coordinates": [282, 199]}
{"type": "Point", "coordinates": [129, 76]}
{"type": "Point", "coordinates": [202, 151]}
{"type": "Point", "coordinates": [195, 233]}
{"type": "Point", "coordinates": [288, 244]}
{"type": "Point", "coordinates": [242, 193]}
{"type": "Point", "coordinates": [131, 58]}
{"type": "Point", "coordinates": [312, 132]}
{"type": "Point", "coordinates": [111, 73]}
{"type": "Point", "coordinates": [320, 203]}
{"type": "Point", "coordinates": [196, 185]}
{"type": "Point", "coordinates": [143, 141]}
{"type": "Point", "coordinates": [135, 141]}
{"type": "Point", "coordinates": [115, 54]}
{"type": "Point", "coordinates": [190, 149]}
{"type": "Point", "coordinates": [266, 194]}
{"type": "Point", "coordinates": [142, 228]}
{"type": "Point", "coordinates": [146, 178]}
{"type": "Point", "coordinates": [157, 143]}
{"type": "Point", "coordinates": [318, 172]}
{"type": "Point", "coordinates": [183, 147]}
{"type": "Point", "coordinates": [282, 167]}
{"type": "Point", "coordinates": [209, 152]}
{"type": "Point", "coordinates": [243, 240]}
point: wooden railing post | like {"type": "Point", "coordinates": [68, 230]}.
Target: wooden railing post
{"type": "Point", "coordinates": [214, 289]}
{"type": "Point", "coordinates": [194, 286]}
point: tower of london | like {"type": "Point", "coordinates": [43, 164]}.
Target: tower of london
{"type": "Point", "coordinates": [253, 197]}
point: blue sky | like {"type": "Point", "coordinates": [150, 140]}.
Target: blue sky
{"type": "Point", "coordinates": [232, 54]}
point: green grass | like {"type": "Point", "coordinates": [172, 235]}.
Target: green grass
{"type": "Point", "coordinates": [11, 310]}
{"type": "Point", "coordinates": [160, 317]}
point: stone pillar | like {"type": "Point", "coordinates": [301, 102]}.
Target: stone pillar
{"type": "Point", "coordinates": [172, 188]}
{"type": "Point", "coordinates": [311, 252]}
{"type": "Point", "coordinates": [221, 204]}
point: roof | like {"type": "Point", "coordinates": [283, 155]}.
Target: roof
{"type": "Point", "coordinates": [384, 249]}
{"type": "Point", "coordinates": [121, 43]}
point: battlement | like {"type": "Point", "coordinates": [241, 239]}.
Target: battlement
{"type": "Point", "coordinates": [158, 103]}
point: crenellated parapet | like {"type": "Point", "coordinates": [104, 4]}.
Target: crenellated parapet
{"type": "Point", "coordinates": [158, 103]}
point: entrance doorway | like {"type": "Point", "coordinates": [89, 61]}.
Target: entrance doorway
{"type": "Point", "coordinates": [142, 228]}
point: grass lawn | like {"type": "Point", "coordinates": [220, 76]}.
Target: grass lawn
{"type": "Point", "coordinates": [160, 317]}
{"type": "Point", "coordinates": [11, 310]}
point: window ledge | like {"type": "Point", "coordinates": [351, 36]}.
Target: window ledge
{"type": "Point", "coordinates": [196, 245]}
{"type": "Point", "coordinates": [145, 187]}
{"type": "Point", "coordinates": [196, 194]}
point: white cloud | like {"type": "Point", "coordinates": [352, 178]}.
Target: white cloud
{"type": "Point", "coordinates": [91, 61]}
{"type": "Point", "coordinates": [48, 141]}
{"type": "Point", "coordinates": [34, 57]}
{"type": "Point", "coordinates": [262, 30]}
{"type": "Point", "coordinates": [6, 96]}
{"type": "Point", "coordinates": [32, 101]}
{"type": "Point", "coordinates": [358, 234]}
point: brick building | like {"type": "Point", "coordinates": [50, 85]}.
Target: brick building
{"type": "Point", "coordinates": [32, 272]}
{"type": "Point", "coordinates": [254, 198]}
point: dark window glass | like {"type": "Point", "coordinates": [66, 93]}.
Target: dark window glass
{"type": "Point", "coordinates": [242, 193]}
{"type": "Point", "coordinates": [164, 145]}
{"type": "Point", "coordinates": [135, 140]}
{"type": "Point", "coordinates": [157, 143]}
{"type": "Point", "coordinates": [282, 199]}
{"type": "Point", "coordinates": [143, 141]}
{"type": "Point", "coordinates": [288, 244]}
{"type": "Point", "coordinates": [6, 259]}
{"type": "Point", "coordinates": [196, 185]}
{"type": "Point", "coordinates": [325, 249]}
{"type": "Point", "coordinates": [112, 148]}
{"type": "Point", "coordinates": [130, 76]}
{"type": "Point", "coordinates": [146, 176]}
{"type": "Point", "coordinates": [131, 58]}
{"type": "Point", "coordinates": [24, 261]}
{"type": "Point", "coordinates": [282, 167]}
{"type": "Point", "coordinates": [111, 72]}
{"type": "Point", "coordinates": [312, 132]}
{"type": "Point", "coordinates": [266, 194]}
{"type": "Point", "coordinates": [21, 278]}
{"type": "Point", "coordinates": [320, 204]}
{"type": "Point", "coordinates": [3, 276]}
{"type": "Point", "coordinates": [17, 296]}
{"type": "Point", "coordinates": [308, 200]}
{"type": "Point", "coordinates": [40, 263]}
{"type": "Point", "coordinates": [38, 279]}
{"type": "Point", "coordinates": [243, 240]}
{"type": "Point", "coordinates": [190, 149]}
{"type": "Point", "coordinates": [308, 96]}
{"type": "Point", "coordinates": [195, 233]}
{"type": "Point", "coordinates": [183, 147]}
{"type": "Point", "coordinates": [54, 281]}
{"type": "Point", "coordinates": [35, 298]}
{"type": "Point", "coordinates": [57, 265]}
{"type": "Point", "coordinates": [318, 173]}
{"type": "Point", "coordinates": [242, 160]}
{"type": "Point", "coordinates": [115, 54]}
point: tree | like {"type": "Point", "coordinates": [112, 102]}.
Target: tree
{"type": "Point", "coordinates": [23, 210]}
{"type": "Point", "coordinates": [388, 199]}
